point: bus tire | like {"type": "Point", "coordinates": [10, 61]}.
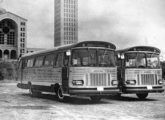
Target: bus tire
{"type": "Point", "coordinates": [31, 90]}
{"type": "Point", "coordinates": [142, 96]}
{"type": "Point", "coordinates": [95, 98]}
{"type": "Point", "coordinates": [59, 94]}
{"type": "Point", "coordinates": [118, 95]}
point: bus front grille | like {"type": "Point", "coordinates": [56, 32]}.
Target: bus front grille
{"type": "Point", "coordinates": [148, 79]}
{"type": "Point", "coordinates": [99, 79]}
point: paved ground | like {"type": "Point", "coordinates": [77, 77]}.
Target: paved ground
{"type": "Point", "coordinates": [16, 104]}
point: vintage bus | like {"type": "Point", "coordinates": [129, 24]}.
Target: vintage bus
{"type": "Point", "coordinates": [139, 70]}
{"type": "Point", "coordinates": [86, 68]}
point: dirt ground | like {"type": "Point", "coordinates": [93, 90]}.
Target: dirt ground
{"type": "Point", "coordinates": [17, 104]}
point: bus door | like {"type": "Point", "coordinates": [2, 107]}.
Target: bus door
{"type": "Point", "coordinates": [20, 70]}
{"type": "Point", "coordinates": [65, 73]}
{"type": "Point", "coordinates": [121, 71]}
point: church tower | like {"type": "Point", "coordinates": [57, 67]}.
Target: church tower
{"type": "Point", "coordinates": [66, 22]}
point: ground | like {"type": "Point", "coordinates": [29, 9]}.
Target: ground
{"type": "Point", "coordinates": [17, 104]}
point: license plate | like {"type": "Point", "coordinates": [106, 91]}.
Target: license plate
{"type": "Point", "coordinates": [149, 87]}
{"type": "Point", "coordinates": [100, 89]}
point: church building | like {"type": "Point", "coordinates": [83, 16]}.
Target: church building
{"type": "Point", "coordinates": [13, 35]}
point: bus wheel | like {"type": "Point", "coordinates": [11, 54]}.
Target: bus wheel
{"type": "Point", "coordinates": [59, 94]}
{"type": "Point", "coordinates": [95, 98]}
{"type": "Point", "coordinates": [142, 96]}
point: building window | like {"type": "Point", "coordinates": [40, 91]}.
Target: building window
{"type": "Point", "coordinates": [10, 39]}
{"type": "Point", "coordinates": [1, 38]}
{"type": "Point", "coordinates": [23, 23]}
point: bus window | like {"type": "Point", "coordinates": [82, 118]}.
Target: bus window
{"type": "Point", "coordinates": [39, 61]}
{"type": "Point", "coordinates": [30, 62]}
{"type": "Point", "coordinates": [49, 60]}
{"type": "Point", "coordinates": [106, 58]}
{"type": "Point", "coordinates": [66, 60]}
{"type": "Point", "coordinates": [92, 57]}
{"type": "Point", "coordinates": [80, 57]}
{"type": "Point", "coordinates": [141, 60]}
{"type": "Point", "coordinates": [130, 60]}
{"type": "Point", "coordinates": [20, 64]}
{"type": "Point", "coordinates": [89, 57]}
{"type": "Point", "coordinates": [135, 60]}
{"type": "Point", "coordinates": [24, 63]}
{"type": "Point", "coordinates": [153, 61]}
{"type": "Point", "coordinates": [59, 60]}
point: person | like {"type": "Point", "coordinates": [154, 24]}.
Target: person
{"type": "Point", "coordinates": [140, 61]}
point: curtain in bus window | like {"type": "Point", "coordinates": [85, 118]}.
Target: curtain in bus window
{"type": "Point", "coordinates": [49, 60]}
{"type": "Point", "coordinates": [39, 61]}
{"type": "Point", "coordinates": [30, 62]}
{"type": "Point", "coordinates": [65, 60]}
{"type": "Point", "coordinates": [92, 57]}
{"type": "Point", "coordinates": [153, 61]}
{"type": "Point", "coordinates": [59, 60]}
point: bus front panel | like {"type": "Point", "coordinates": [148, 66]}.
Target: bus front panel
{"type": "Point", "coordinates": [142, 80]}
{"type": "Point", "coordinates": [93, 80]}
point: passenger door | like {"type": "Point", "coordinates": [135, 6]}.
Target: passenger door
{"type": "Point", "coordinates": [65, 75]}
{"type": "Point", "coordinates": [62, 70]}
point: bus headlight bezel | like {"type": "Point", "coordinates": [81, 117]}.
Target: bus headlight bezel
{"type": "Point", "coordinates": [114, 82]}
{"type": "Point", "coordinates": [78, 82]}
{"type": "Point", "coordinates": [160, 82]}
{"type": "Point", "coordinates": [131, 82]}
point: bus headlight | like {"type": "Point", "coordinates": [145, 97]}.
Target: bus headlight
{"type": "Point", "coordinates": [114, 82]}
{"type": "Point", "coordinates": [160, 82]}
{"type": "Point", "coordinates": [78, 82]}
{"type": "Point", "coordinates": [131, 82]}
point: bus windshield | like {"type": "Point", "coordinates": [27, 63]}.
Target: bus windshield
{"type": "Point", "coordinates": [93, 57]}
{"type": "Point", "coordinates": [153, 61]}
{"type": "Point", "coordinates": [142, 60]}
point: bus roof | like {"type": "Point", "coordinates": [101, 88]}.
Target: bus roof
{"type": "Point", "coordinates": [79, 44]}
{"type": "Point", "coordinates": [141, 49]}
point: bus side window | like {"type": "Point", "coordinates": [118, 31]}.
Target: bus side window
{"type": "Point", "coordinates": [20, 66]}
{"type": "Point", "coordinates": [59, 60]}
{"type": "Point", "coordinates": [30, 62]}
{"type": "Point", "coordinates": [65, 60]}
{"type": "Point", "coordinates": [49, 60]}
{"type": "Point", "coordinates": [39, 61]}
{"type": "Point", "coordinates": [23, 63]}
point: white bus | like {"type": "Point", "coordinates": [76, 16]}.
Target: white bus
{"type": "Point", "coordinates": [139, 70]}
{"type": "Point", "coordinates": [86, 68]}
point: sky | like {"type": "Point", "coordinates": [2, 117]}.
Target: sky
{"type": "Point", "coordinates": [125, 23]}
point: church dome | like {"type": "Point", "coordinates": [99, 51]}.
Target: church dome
{"type": "Point", "coordinates": [2, 11]}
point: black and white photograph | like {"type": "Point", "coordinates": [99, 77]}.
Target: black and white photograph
{"type": "Point", "coordinates": [82, 59]}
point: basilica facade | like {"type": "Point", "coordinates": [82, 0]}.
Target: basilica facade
{"type": "Point", "coordinates": [13, 35]}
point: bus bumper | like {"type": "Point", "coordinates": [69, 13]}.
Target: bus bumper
{"type": "Point", "coordinates": [146, 89]}
{"type": "Point", "coordinates": [92, 91]}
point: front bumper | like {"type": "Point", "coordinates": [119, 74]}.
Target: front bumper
{"type": "Point", "coordinates": [143, 89]}
{"type": "Point", "coordinates": [92, 91]}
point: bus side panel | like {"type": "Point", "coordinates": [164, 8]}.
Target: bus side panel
{"type": "Point", "coordinates": [57, 76]}
{"type": "Point", "coordinates": [42, 76]}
